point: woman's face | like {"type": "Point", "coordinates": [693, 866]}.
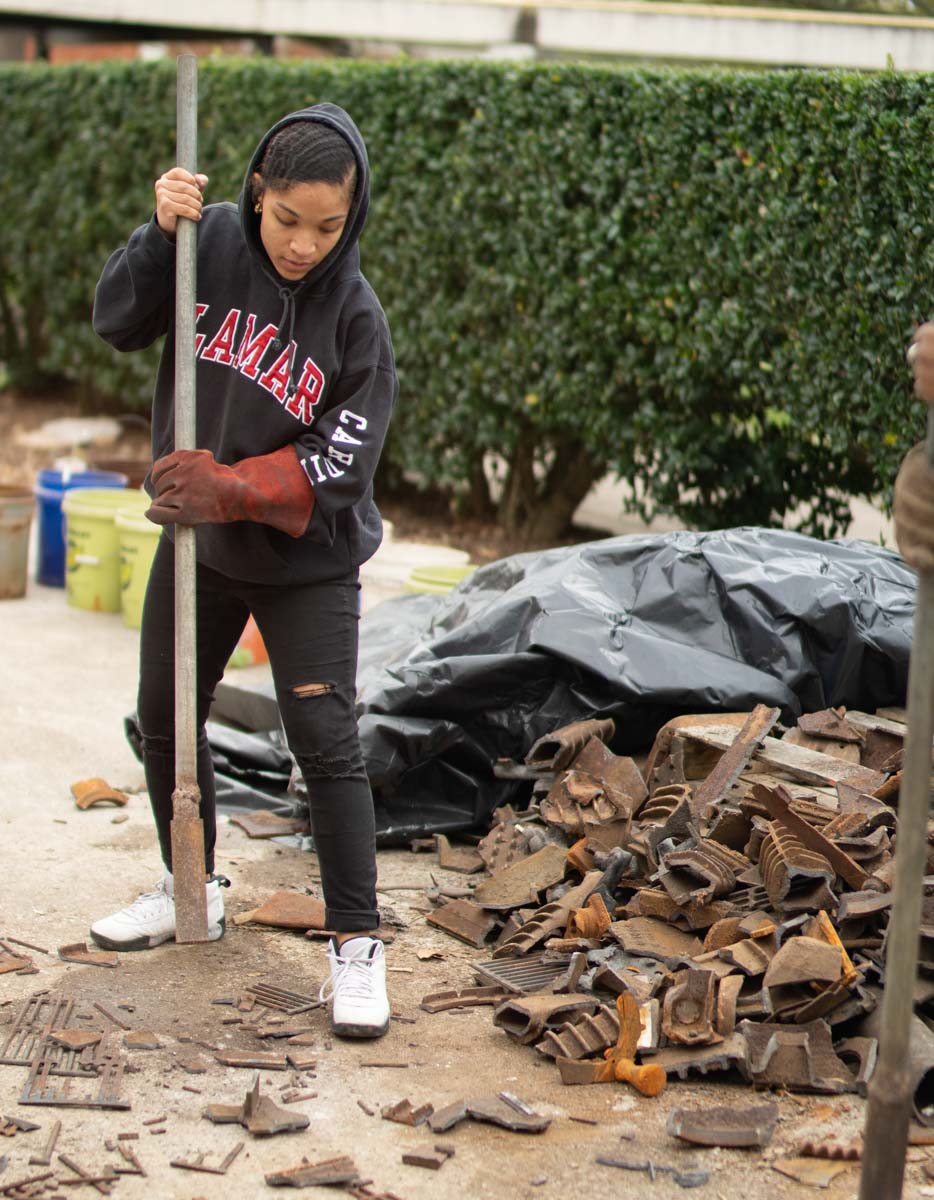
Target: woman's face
{"type": "Point", "coordinates": [301, 225]}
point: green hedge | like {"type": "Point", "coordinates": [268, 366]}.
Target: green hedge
{"type": "Point", "coordinates": [701, 281]}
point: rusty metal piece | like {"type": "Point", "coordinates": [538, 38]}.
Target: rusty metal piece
{"type": "Point", "coordinates": [291, 1003]}
{"type": "Point", "coordinates": [466, 921]}
{"type": "Point", "coordinates": [265, 824]}
{"type": "Point", "coordinates": [804, 960]}
{"type": "Point", "coordinates": [75, 1039]}
{"type": "Point", "coordinates": [495, 1111]}
{"type": "Point", "coordinates": [287, 910]}
{"type": "Point", "coordinates": [547, 920]}
{"type": "Point", "coordinates": [663, 802]}
{"type": "Point", "coordinates": [795, 877]}
{"type": "Point", "coordinates": [730, 1054]}
{"type": "Point", "coordinates": [141, 1039]}
{"type": "Point", "coordinates": [830, 723]}
{"type": "Point", "coordinates": [751, 1125]}
{"type": "Point", "coordinates": [524, 880]}
{"type": "Point", "coordinates": [618, 1063]}
{"type": "Point", "coordinates": [404, 1112]}
{"type": "Point", "coordinates": [624, 973]}
{"type": "Point", "coordinates": [568, 982]}
{"type": "Point", "coordinates": [654, 902]}
{"type": "Point", "coordinates": [78, 952]}
{"type": "Point", "coordinates": [556, 750]}
{"type": "Point", "coordinates": [777, 801]}
{"type": "Point", "coordinates": [464, 859]}
{"type": "Point", "coordinates": [526, 1018]}
{"type": "Point", "coordinates": [800, 1059]}
{"type": "Point", "coordinates": [100, 1183]}
{"type": "Point", "coordinates": [339, 1170]}
{"type": "Point", "coordinates": [583, 805]}
{"type": "Point", "coordinates": [129, 1156]}
{"type": "Point", "coordinates": [590, 921]}
{"type": "Point", "coordinates": [735, 759]}
{"type": "Point", "coordinates": [431, 1162]}
{"type": "Point", "coordinates": [45, 1157]}
{"type": "Point", "coordinates": [531, 973]}
{"type": "Point", "coordinates": [814, 1172]}
{"type": "Point", "coordinates": [198, 1162]}
{"type": "Point", "coordinates": [259, 1061]}
{"type": "Point", "coordinates": [446, 1118]}
{"type": "Point", "coordinates": [727, 995]}
{"type": "Point", "coordinates": [443, 1001]}
{"type": "Point", "coordinates": [701, 873]}
{"type": "Point", "coordinates": [45, 1085]}
{"type": "Point", "coordinates": [649, 938]}
{"type": "Point", "coordinates": [583, 1037]}
{"type": "Point", "coordinates": [504, 845]}
{"type": "Point", "coordinates": [88, 792]}
{"type": "Point", "coordinates": [688, 1009]}
{"type": "Point", "coordinates": [40, 1014]}
{"type": "Point", "coordinates": [751, 956]}
{"type": "Point", "coordinates": [861, 1054]}
{"type": "Point", "coordinates": [851, 1151]}
{"type": "Point", "coordinates": [259, 1115]}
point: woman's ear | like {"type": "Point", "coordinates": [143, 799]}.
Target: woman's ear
{"type": "Point", "coordinates": [256, 187]}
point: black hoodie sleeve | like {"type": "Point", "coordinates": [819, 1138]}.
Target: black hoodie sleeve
{"type": "Point", "coordinates": [340, 452]}
{"type": "Point", "coordinates": [133, 303]}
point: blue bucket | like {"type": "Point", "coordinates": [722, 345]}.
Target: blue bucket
{"type": "Point", "coordinates": [49, 490]}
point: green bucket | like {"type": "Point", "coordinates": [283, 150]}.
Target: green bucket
{"type": "Point", "coordinates": [439, 578]}
{"type": "Point", "coordinates": [92, 552]}
{"type": "Point", "coordinates": [137, 539]}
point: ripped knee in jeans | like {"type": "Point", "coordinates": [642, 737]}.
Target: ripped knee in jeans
{"type": "Point", "coordinates": [306, 691]}
{"type": "Point", "coordinates": [318, 766]}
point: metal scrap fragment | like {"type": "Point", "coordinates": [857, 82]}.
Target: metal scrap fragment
{"type": "Point", "coordinates": [436, 1002]}
{"type": "Point", "coordinates": [464, 920]}
{"type": "Point", "coordinates": [78, 952]}
{"type": "Point", "coordinates": [524, 880]}
{"type": "Point", "coordinates": [404, 1112]}
{"type": "Point", "coordinates": [338, 1170]}
{"type": "Point", "coordinates": [688, 1009]}
{"type": "Point", "coordinates": [497, 1112]}
{"type": "Point", "coordinates": [525, 1018]}
{"type": "Point", "coordinates": [556, 750]}
{"type": "Point", "coordinates": [88, 792]}
{"type": "Point", "coordinates": [735, 758]}
{"type": "Point", "coordinates": [723, 1125]}
{"type": "Point", "coordinates": [465, 860]}
{"type": "Point", "coordinates": [799, 1059]}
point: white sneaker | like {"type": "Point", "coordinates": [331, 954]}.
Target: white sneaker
{"type": "Point", "coordinates": [150, 919]}
{"type": "Point", "coordinates": [357, 988]}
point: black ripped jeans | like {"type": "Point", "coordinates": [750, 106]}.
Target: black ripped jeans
{"type": "Point", "coordinates": [311, 632]}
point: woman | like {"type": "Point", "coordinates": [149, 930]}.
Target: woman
{"type": "Point", "coordinates": [295, 387]}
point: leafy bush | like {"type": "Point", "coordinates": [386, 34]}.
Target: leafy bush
{"type": "Point", "coordinates": [702, 281]}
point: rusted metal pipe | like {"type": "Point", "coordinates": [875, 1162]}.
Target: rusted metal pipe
{"type": "Point", "coordinates": [891, 1090]}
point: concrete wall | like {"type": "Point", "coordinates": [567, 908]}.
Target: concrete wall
{"type": "Point", "coordinates": [626, 28]}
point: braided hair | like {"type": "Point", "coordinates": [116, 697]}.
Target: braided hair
{"type": "Point", "coordinates": [306, 152]}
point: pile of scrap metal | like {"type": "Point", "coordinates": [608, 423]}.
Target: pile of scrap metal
{"type": "Point", "coordinates": [723, 908]}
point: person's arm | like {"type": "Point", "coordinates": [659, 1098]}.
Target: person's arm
{"type": "Point", "coordinates": [913, 508]}
{"type": "Point", "coordinates": [133, 298]}
{"type": "Point", "coordinates": [301, 487]}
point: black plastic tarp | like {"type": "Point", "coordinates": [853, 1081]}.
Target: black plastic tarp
{"type": "Point", "coordinates": [640, 628]}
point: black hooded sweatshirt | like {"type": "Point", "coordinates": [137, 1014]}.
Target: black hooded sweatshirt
{"type": "Point", "coordinates": [307, 363]}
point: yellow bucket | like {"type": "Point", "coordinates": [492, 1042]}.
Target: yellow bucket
{"type": "Point", "coordinates": [137, 539]}
{"type": "Point", "coordinates": [439, 578]}
{"type": "Point", "coordinates": [92, 554]}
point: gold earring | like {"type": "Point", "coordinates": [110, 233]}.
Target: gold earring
{"type": "Point", "coordinates": [258, 206]}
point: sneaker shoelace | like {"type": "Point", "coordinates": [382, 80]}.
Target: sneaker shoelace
{"type": "Point", "coordinates": [146, 901]}
{"type": "Point", "coordinates": [354, 977]}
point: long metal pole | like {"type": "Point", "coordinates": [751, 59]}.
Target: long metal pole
{"type": "Point", "coordinates": [187, 829]}
{"type": "Point", "coordinates": [890, 1092]}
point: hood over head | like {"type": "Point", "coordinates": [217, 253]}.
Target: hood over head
{"type": "Point", "coordinates": [346, 249]}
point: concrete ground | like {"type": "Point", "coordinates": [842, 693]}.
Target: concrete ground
{"type": "Point", "coordinates": [68, 682]}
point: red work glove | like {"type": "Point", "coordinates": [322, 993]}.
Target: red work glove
{"type": "Point", "coordinates": [192, 488]}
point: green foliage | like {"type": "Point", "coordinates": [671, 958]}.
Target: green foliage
{"type": "Point", "coordinates": [701, 281]}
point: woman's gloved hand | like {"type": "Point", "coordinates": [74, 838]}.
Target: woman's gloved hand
{"type": "Point", "coordinates": [913, 509]}
{"type": "Point", "coordinates": [192, 488]}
